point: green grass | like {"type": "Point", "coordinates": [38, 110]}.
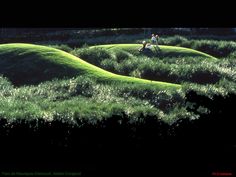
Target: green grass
{"type": "Point", "coordinates": [28, 63]}
{"type": "Point", "coordinates": [166, 51]}
{"type": "Point", "coordinates": [89, 93]}
{"type": "Point", "coordinates": [83, 99]}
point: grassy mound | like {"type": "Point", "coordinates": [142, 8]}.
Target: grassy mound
{"type": "Point", "coordinates": [32, 64]}
{"type": "Point", "coordinates": [165, 51]}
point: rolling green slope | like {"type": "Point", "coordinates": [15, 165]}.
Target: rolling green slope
{"type": "Point", "coordinates": [165, 51]}
{"type": "Point", "coordinates": [32, 64]}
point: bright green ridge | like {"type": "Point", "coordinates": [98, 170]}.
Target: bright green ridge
{"type": "Point", "coordinates": [166, 51]}
{"type": "Point", "coordinates": [29, 63]}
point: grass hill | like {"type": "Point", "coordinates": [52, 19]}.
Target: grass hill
{"type": "Point", "coordinates": [165, 51]}
{"type": "Point", "coordinates": [31, 64]}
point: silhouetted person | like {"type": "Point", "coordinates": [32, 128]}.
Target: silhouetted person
{"type": "Point", "coordinates": [153, 39]}
{"type": "Point", "coordinates": [143, 47]}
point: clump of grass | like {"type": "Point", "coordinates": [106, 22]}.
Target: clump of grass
{"type": "Point", "coordinates": [93, 56]}
{"type": "Point", "coordinates": [181, 69]}
{"type": "Point", "coordinates": [81, 99]}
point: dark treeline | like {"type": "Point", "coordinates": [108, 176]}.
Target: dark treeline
{"type": "Point", "coordinates": [8, 35]}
